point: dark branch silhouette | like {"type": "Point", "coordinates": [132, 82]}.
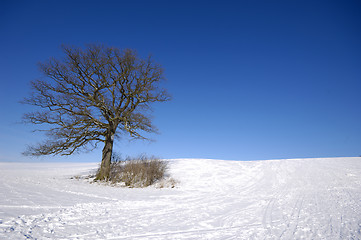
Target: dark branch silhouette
{"type": "Point", "coordinates": [93, 96]}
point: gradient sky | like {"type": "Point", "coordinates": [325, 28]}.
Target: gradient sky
{"type": "Point", "coordinates": [250, 79]}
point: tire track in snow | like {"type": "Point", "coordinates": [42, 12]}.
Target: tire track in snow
{"type": "Point", "coordinates": [291, 227]}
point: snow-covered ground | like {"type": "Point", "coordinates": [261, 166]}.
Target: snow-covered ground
{"type": "Point", "coordinates": [275, 199]}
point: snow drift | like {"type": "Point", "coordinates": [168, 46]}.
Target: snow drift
{"type": "Point", "coordinates": [214, 199]}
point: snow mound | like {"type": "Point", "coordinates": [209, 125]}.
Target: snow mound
{"type": "Point", "coordinates": [213, 199]}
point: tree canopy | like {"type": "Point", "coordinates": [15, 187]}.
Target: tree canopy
{"type": "Point", "coordinates": [92, 96]}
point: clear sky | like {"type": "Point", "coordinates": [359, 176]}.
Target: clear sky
{"type": "Point", "coordinates": [250, 79]}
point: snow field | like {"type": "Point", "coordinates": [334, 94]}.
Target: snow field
{"type": "Point", "coordinates": [215, 199]}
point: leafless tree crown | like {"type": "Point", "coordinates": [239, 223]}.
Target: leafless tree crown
{"type": "Point", "coordinates": [92, 96]}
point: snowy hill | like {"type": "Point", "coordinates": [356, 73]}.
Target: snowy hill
{"type": "Point", "coordinates": [275, 199]}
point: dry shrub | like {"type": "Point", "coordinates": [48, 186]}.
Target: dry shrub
{"type": "Point", "coordinates": [142, 171]}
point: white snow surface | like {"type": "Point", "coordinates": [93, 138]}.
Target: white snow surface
{"type": "Point", "coordinates": [214, 199]}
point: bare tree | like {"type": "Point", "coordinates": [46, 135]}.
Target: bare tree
{"type": "Point", "coordinates": [92, 96]}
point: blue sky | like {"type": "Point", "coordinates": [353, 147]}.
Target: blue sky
{"type": "Point", "coordinates": [250, 79]}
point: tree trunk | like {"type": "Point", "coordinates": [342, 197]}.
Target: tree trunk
{"type": "Point", "coordinates": [104, 170]}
